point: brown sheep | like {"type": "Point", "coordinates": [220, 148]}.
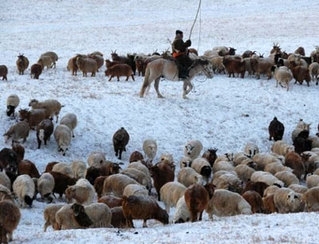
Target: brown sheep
{"type": "Point", "coordinates": [118, 218]}
{"type": "Point", "coordinates": [161, 174]}
{"type": "Point", "coordinates": [33, 116]}
{"type": "Point", "coordinates": [49, 215]}
{"type": "Point", "coordinates": [27, 167]}
{"type": "Point", "coordinates": [36, 70]}
{"type": "Point", "coordinates": [142, 207]}
{"type": "Point", "coordinates": [197, 198]}
{"type": "Point", "coordinates": [262, 66]}
{"type": "Point", "coordinates": [120, 70]}
{"type": "Point", "coordinates": [62, 182]}
{"type": "Point", "coordinates": [9, 219]}
{"type": "Point", "coordinates": [98, 184]}
{"type": "Point", "coordinates": [259, 187]}
{"type": "Point", "coordinates": [116, 183]}
{"type": "Point", "coordinates": [311, 199]}
{"type": "Point", "coordinates": [86, 65]}
{"type": "Point", "coordinates": [72, 66]}
{"type": "Point", "coordinates": [109, 63]}
{"type": "Point", "coordinates": [255, 201]}
{"type": "Point", "coordinates": [136, 156]}
{"type": "Point", "coordinates": [294, 161]}
{"type": "Point", "coordinates": [276, 129]}
{"type": "Point", "coordinates": [120, 140]}
{"type": "Point", "coordinates": [269, 204]}
{"type": "Point", "coordinates": [22, 64]}
{"type": "Point", "coordinates": [3, 72]}
{"type": "Point", "coordinates": [111, 200]}
{"type": "Point", "coordinates": [234, 65]}
{"type": "Point", "coordinates": [49, 166]}
{"type": "Point", "coordinates": [300, 73]}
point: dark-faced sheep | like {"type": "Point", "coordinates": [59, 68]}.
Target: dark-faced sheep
{"type": "Point", "coordinates": [3, 72]}
{"type": "Point", "coordinates": [120, 140]}
{"type": "Point", "coordinates": [62, 135]}
{"type": "Point", "coordinates": [276, 129]}
{"type": "Point", "coordinates": [62, 182]}
{"type": "Point", "coordinates": [18, 131]}
{"type": "Point", "coordinates": [36, 70]}
{"type": "Point", "coordinates": [24, 188]}
{"type": "Point", "coordinates": [118, 70]}
{"type": "Point", "coordinates": [142, 207]}
{"type": "Point", "coordinates": [70, 120]}
{"type": "Point", "coordinates": [12, 103]}
{"type": "Point", "coordinates": [44, 131]}
{"type": "Point", "coordinates": [197, 198]}
{"type": "Point", "coordinates": [22, 64]}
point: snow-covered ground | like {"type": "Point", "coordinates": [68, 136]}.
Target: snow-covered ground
{"type": "Point", "coordinates": [222, 112]}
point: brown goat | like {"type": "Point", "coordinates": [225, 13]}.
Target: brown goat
{"type": "Point", "coordinates": [276, 129]}
{"type": "Point", "coordinates": [142, 207]}
{"type": "Point", "coordinates": [36, 70]}
{"type": "Point", "coordinates": [62, 182]}
{"type": "Point", "coordinates": [255, 201]}
{"type": "Point", "coordinates": [3, 72]}
{"type": "Point", "coordinates": [234, 65]}
{"type": "Point", "coordinates": [294, 161]}
{"type": "Point", "coordinates": [119, 70]}
{"type": "Point", "coordinates": [9, 219]}
{"type": "Point", "coordinates": [300, 73]}
{"type": "Point", "coordinates": [161, 173]}
{"type": "Point", "coordinates": [22, 64]}
{"type": "Point", "coordinates": [27, 167]}
{"type": "Point", "coordinates": [197, 198]}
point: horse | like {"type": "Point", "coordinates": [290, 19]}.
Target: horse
{"type": "Point", "coordinates": [167, 68]}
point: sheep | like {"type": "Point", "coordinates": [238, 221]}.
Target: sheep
{"type": "Point", "coordinates": [244, 172]}
{"type": "Point", "coordinates": [36, 71]}
{"type": "Point", "coordinates": [282, 148]}
{"type": "Point", "coordinates": [287, 177]}
{"type": "Point", "coordinates": [22, 64]}
{"type": "Point", "coordinates": [10, 216]}
{"type": "Point", "coordinates": [52, 107]}
{"type": "Point", "coordinates": [258, 187]}
{"type": "Point", "coordinates": [310, 161]}
{"type": "Point", "coordinates": [287, 201]}
{"type": "Point", "coordinates": [269, 205]}
{"type": "Point", "coordinates": [96, 159]}
{"type": "Point", "coordinates": [301, 126]}
{"type": "Point", "coordinates": [118, 218]}
{"type": "Point", "coordinates": [139, 176]}
{"type": "Point", "coordinates": [45, 61]}
{"type": "Point", "coordinates": [86, 65]}
{"type": "Point", "coordinates": [185, 162]}
{"type": "Point", "coordinates": [111, 200]}
{"type": "Point", "coordinates": [276, 130]}
{"type": "Point", "coordinates": [210, 155]}
{"type": "Point", "coordinates": [116, 183]}
{"type": "Point", "coordinates": [49, 166]}
{"type": "Point", "coordinates": [263, 159]}
{"type": "Point", "coordinates": [82, 192]}
{"type": "Point", "coordinates": [63, 168]}
{"type": "Point", "coordinates": [300, 73]}
{"type": "Point", "coordinates": [262, 66]}
{"type": "Point", "coordinates": [44, 130]}
{"type": "Point", "coordinates": [54, 57]}
{"type": "Point", "coordinates": [33, 116]}
{"type": "Point", "coordinates": [283, 76]}
{"type": "Point", "coordinates": [98, 57]}
{"type": "Point", "coordinates": [45, 186]}
{"type": "Point", "coordinates": [298, 188]}
{"type": "Point", "coordinates": [27, 167]}
{"type": "Point", "coordinates": [49, 216]}
{"type": "Point", "coordinates": [227, 203]}
{"type": "Point", "coordinates": [129, 59]}
{"type": "Point", "coordinates": [150, 149]}
{"type": "Point", "coordinates": [5, 180]}
{"type": "Point", "coordinates": [79, 169]}
{"type": "Point", "coordinates": [9, 162]}
{"type": "Point", "coordinates": [223, 165]}
{"type": "Point", "coordinates": [98, 184]}
{"type": "Point", "coordinates": [311, 199]}
{"type": "Point", "coordinates": [70, 120]}
{"type": "Point", "coordinates": [62, 135]}
{"type": "Point", "coordinates": [314, 71]}
{"type": "Point", "coordinates": [3, 72]}
{"type": "Point", "coordinates": [140, 166]}
{"type": "Point", "coordinates": [188, 176]}
{"type": "Point", "coordinates": [136, 190]}
{"type": "Point", "coordinates": [276, 167]}
{"type": "Point", "coordinates": [142, 207]}
{"type": "Point", "coordinates": [24, 188]}
{"type": "Point", "coordinates": [18, 131]}
{"type": "Point", "coordinates": [19, 150]}
{"type": "Point", "coordinates": [182, 213]}
{"type": "Point", "coordinates": [120, 140]}
{"type": "Point", "coordinates": [136, 156]}
{"type": "Point", "coordinates": [229, 181]}
{"type": "Point", "coordinates": [12, 103]}
{"type": "Point", "coordinates": [251, 149]}
{"type": "Point", "coordinates": [202, 166]}
{"type": "Point", "coordinates": [255, 201]}
{"type": "Point", "coordinates": [92, 173]}
{"type": "Point", "coordinates": [119, 70]}
{"type": "Point", "coordinates": [193, 148]}
{"type": "Point", "coordinates": [266, 177]}
{"type": "Point", "coordinates": [161, 174]}
{"type": "Point", "coordinates": [294, 161]}
{"type": "Point", "coordinates": [170, 193]}
{"type": "Point", "coordinates": [75, 216]}
{"type": "Point", "coordinates": [234, 65]}
{"type": "Point", "coordinates": [197, 197]}
{"type": "Point", "coordinates": [61, 182]}
{"type": "Point", "coordinates": [312, 181]}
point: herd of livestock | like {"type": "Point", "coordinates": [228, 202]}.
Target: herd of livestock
{"type": "Point", "coordinates": [99, 193]}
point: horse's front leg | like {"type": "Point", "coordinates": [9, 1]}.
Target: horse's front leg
{"type": "Point", "coordinates": [156, 85]}
{"type": "Point", "coordinates": [187, 87]}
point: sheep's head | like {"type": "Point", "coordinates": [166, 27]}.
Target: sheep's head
{"type": "Point", "coordinates": [63, 149]}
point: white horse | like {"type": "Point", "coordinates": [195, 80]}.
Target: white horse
{"type": "Point", "coordinates": [168, 69]}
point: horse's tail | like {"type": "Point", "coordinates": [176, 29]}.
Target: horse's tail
{"type": "Point", "coordinates": [146, 81]}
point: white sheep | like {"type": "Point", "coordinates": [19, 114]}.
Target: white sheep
{"type": "Point", "coordinates": [193, 149]}
{"type": "Point", "coordinates": [298, 188]}
{"type": "Point", "coordinates": [115, 184]}
{"type": "Point", "coordinates": [188, 176]}
{"type": "Point", "coordinates": [135, 189]}
{"type": "Point", "coordinates": [229, 181]}
{"type": "Point", "coordinates": [99, 214]}
{"type": "Point", "coordinates": [49, 215]}
{"type": "Point", "coordinates": [202, 166]}
{"type": "Point", "coordinates": [63, 168]}
{"type": "Point", "coordinates": [251, 149]}
{"type": "Point", "coordinates": [62, 135]}
{"type": "Point", "coordinates": [140, 166]}
{"type": "Point", "coordinates": [24, 188]}
{"type": "Point", "coordinates": [54, 57]}
{"type": "Point", "coordinates": [314, 141]}
{"type": "Point", "coordinates": [312, 181]}
{"type": "Point", "coordinates": [275, 167]}
{"type": "Point", "coordinates": [139, 176]}
{"type": "Point", "coordinates": [270, 190]}
{"type": "Point", "coordinates": [283, 76]}
{"type": "Point", "coordinates": [82, 192]}
{"type": "Point", "coordinates": [12, 103]}
{"type": "Point", "coordinates": [223, 165]}
{"type": "Point", "coordinates": [182, 213]}
{"type": "Point", "coordinates": [239, 158]}
{"type": "Point", "coordinates": [19, 130]}
{"type": "Point", "coordinates": [262, 159]}
{"type": "Point", "coordinates": [287, 177]}
{"type": "Point", "coordinates": [70, 120]}
{"type": "Point", "coordinates": [170, 193]}
{"type": "Point", "coordinates": [150, 149]}
{"type": "Point", "coordinates": [265, 177]}
{"type": "Point", "coordinates": [244, 172]}
{"type": "Point", "coordinates": [96, 159]}
{"type": "Point", "coordinates": [288, 201]}
{"type": "Point", "coordinates": [52, 107]}
{"type": "Point", "coordinates": [227, 203]}
{"type": "Point", "coordinates": [282, 148]}
{"type": "Point", "coordinates": [185, 162]}
{"type": "Point", "coordinates": [5, 180]}
{"type": "Point", "coordinates": [311, 199]}
{"type": "Point", "coordinates": [45, 185]}
{"type": "Point", "coordinates": [45, 60]}
{"type": "Point", "coordinates": [78, 169]}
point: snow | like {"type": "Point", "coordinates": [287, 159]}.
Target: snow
{"type": "Point", "coordinates": [222, 112]}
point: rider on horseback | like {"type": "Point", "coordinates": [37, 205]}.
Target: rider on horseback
{"type": "Point", "coordinates": [180, 53]}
